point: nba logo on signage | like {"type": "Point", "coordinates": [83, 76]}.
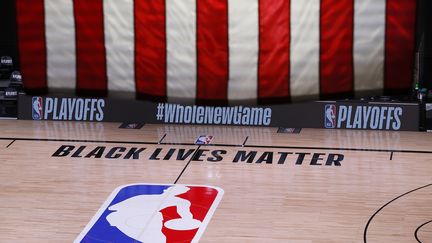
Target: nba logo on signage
{"type": "Point", "coordinates": [330, 116]}
{"type": "Point", "coordinates": [153, 213]}
{"type": "Point", "coordinates": [37, 111]}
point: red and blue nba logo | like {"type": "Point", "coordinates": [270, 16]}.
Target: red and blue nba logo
{"type": "Point", "coordinates": [37, 111]}
{"type": "Point", "coordinates": [153, 213]}
{"type": "Point", "coordinates": [330, 116]}
{"type": "Point", "coordinates": [204, 140]}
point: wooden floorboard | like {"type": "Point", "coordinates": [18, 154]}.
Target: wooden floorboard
{"type": "Point", "coordinates": [315, 186]}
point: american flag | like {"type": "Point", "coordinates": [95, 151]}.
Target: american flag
{"type": "Point", "coordinates": [218, 49]}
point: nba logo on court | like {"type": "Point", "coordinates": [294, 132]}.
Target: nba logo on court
{"type": "Point", "coordinates": [330, 116]}
{"type": "Point", "coordinates": [153, 213]}
{"type": "Point", "coordinates": [37, 112]}
{"type": "Point", "coordinates": [204, 139]}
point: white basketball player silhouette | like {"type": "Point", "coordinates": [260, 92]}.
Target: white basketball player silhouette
{"type": "Point", "coordinates": [139, 217]}
{"type": "Point", "coordinates": [36, 105]}
{"type": "Point", "coordinates": [330, 114]}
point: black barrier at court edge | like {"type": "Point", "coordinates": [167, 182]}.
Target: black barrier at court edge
{"type": "Point", "coordinates": [331, 114]}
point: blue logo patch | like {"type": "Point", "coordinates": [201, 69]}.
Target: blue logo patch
{"type": "Point", "coordinates": [37, 111]}
{"type": "Point", "coordinates": [330, 116]}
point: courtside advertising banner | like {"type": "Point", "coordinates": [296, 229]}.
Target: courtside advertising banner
{"type": "Point", "coordinates": [330, 115]}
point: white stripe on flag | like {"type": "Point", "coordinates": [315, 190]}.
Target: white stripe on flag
{"type": "Point", "coordinates": [305, 46]}
{"type": "Point", "coordinates": [369, 42]}
{"type": "Point", "coordinates": [181, 48]}
{"type": "Point", "coordinates": [119, 44]}
{"type": "Point", "coordinates": [243, 49]}
{"type": "Point", "coordinates": [60, 42]}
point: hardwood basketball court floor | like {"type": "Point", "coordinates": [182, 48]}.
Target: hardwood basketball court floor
{"type": "Point", "coordinates": [314, 186]}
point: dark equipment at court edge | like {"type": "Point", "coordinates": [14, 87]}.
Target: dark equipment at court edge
{"type": "Point", "coordinates": [6, 67]}
{"type": "Point", "coordinates": [11, 85]}
{"type": "Point", "coordinates": [15, 85]}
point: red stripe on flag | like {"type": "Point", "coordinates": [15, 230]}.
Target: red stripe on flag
{"type": "Point", "coordinates": [90, 45]}
{"type": "Point", "coordinates": [212, 49]}
{"type": "Point", "coordinates": [32, 43]}
{"type": "Point", "coordinates": [274, 49]}
{"type": "Point", "coordinates": [150, 48]}
{"type": "Point", "coordinates": [336, 46]}
{"type": "Point", "coordinates": [399, 45]}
